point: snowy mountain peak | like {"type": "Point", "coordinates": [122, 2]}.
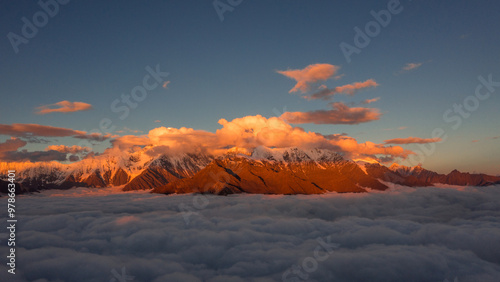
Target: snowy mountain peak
{"type": "Point", "coordinates": [294, 154]}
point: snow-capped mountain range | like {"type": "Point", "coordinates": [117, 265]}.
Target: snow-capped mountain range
{"type": "Point", "coordinates": [265, 170]}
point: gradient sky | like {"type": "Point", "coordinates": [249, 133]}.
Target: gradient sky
{"type": "Point", "coordinates": [93, 51]}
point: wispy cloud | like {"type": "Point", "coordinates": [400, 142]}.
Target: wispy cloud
{"type": "Point", "coordinates": [339, 114]}
{"type": "Point", "coordinates": [129, 130]}
{"type": "Point", "coordinates": [410, 66]}
{"type": "Point", "coordinates": [64, 107]}
{"type": "Point", "coordinates": [12, 144]}
{"type": "Point", "coordinates": [348, 89]}
{"type": "Point", "coordinates": [487, 138]}
{"type": "Point", "coordinates": [68, 149]}
{"type": "Point", "coordinates": [24, 130]}
{"type": "Point", "coordinates": [412, 140]}
{"type": "Point", "coordinates": [36, 156]}
{"type": "Point", "coordinates": [309, 75]}
{"type": "Point", "coordinates": [369, 101]}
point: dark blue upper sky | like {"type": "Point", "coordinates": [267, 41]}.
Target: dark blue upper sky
{"type": "Point", "coordinates": [93, 51]}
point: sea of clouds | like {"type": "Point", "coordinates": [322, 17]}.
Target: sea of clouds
{"type": "Point", "coordinates": [406, 234]}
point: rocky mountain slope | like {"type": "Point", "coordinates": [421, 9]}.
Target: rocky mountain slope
{"type": "Point", "coordinates": [291, 171]}
{"type": "Point", "coordinates": [135, 170]}
{"type": "Point", "coordinates": [266, 171]}
{"type": "Point", "coordinates": [453, 178]}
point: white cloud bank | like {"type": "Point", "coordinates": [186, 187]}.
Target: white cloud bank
{"type": "Point", "coordinates": [425, 234]}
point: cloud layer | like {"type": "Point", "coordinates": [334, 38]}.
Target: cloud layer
{"type": "Point", "coordinates": [249, 132]}
{"type": "Point", "coordinates": [63, 107]}
{"type": "Point", "coordinates": [22, 134]}
{"type": "Point", "coordinates": [241, 134]}
{"type": "Point", "coordinates": [422, 234]}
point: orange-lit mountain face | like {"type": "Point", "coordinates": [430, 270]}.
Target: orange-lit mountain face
{"type": "Point", "coordinates": [264, 171]}
{"type": "Point", "coordinates": [291, 172]}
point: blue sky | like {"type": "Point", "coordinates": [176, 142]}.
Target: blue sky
{"type": "Point", "coordinates": [93, 51]}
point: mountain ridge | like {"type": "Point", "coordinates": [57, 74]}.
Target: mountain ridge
{"type": "Point", "coordinates": [264, 170]}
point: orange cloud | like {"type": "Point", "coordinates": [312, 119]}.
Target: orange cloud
{"type": "Point", "coordinates": [64, 107]}
{"type": "Point", "coordinates": [36, 130]}
{"type": "Point", "coordinates": [129, 142]}
{"type": "Point", "coordinates": [348, 89]}
{"type": "Point", "coordinates": [368, 150]}
{"type": "Point", "coordinates": [369, 101]}
{"type": "Point", "coordinates": [36, 156]}
{"type": "Point", "coordinates": [340, 114]}
{"type": "Point", "coordinates": [253, 131]}
{"type": "Point", "coordinates": [238, 135]}
{"type": "Point", "coordinates": [67, 149]}
{"type": "Point", "coordinates": [246, 133]}
{"type": "Point", "coordinates": [126, 129]}
{"type": "Point", "coordinates": [182, 139]}
{"type": "Point", "coordinates": [27, 130]}
{"type": "Point", "coordinates": [411, 66]}
{"type": "Point", "coordinates": [412, 140]}
{"type": "Point", "coordinates": [12, 144]}
{"type": "Point", "coordinates": [310, 74]}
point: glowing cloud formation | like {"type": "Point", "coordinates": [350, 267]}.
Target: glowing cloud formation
{"type": "Point", "coordinates": [64, 107]}
{"type": "Point", "coordinates": [309, 75]}
{"type": "Point", "coordinates": [340, 114]}
{"type": "Point", "coordinates": [348, 89]}
{"type": "Point", "coordinates": [246, 133]}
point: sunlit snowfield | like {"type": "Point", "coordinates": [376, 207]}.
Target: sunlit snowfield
{"type": "Point", "coordinates": [425, 234]}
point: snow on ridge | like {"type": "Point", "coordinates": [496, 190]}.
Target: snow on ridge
{"type": "Point", "coordinates": [294, 154]}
